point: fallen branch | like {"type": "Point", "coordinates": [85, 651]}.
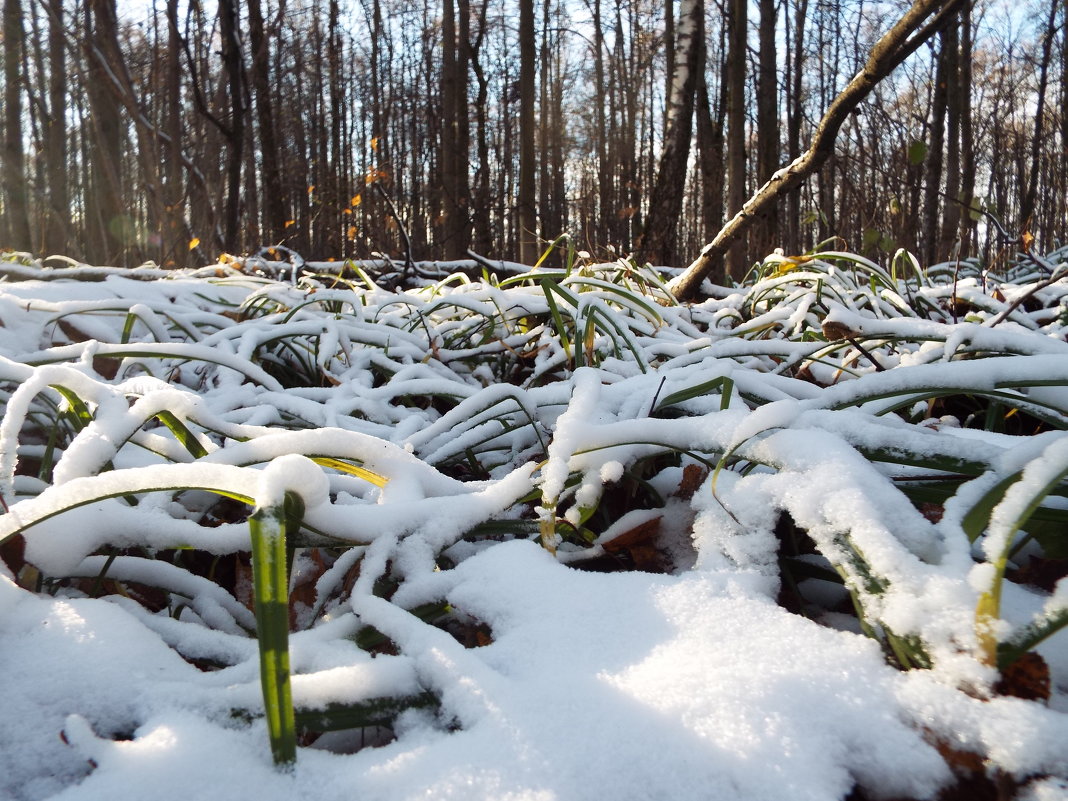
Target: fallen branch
{"type": "Point", "coordinates": [919, 23]}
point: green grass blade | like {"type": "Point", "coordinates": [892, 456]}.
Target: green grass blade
{"type": "Point", "coordinates": [268, 527]}
{"type": "Point", "coordinates": [182, 434]}
{"type": "Point", "coordinates": [1031, 635]}
{"type": "Point", "coordinates": [375, 712]}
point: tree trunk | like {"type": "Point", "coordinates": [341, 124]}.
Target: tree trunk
{"type": "Point", "coordinates": [173, 189]}
{"type": "Point", "coordinates": [967, 140]}
{"type": "Point", "coordinates": [949, 246]}
{"type": "Point", "coordinates": [1027, 209]}
{"type": "Point", "coordinates": [710, 160]}
{"type": "Point", "coordinates": [670, 47]}
{"type": "Point", "coordinates": [767, 231]}
{"type": "Point", "coordinates": [528, 240]}
{"type": "Point", "coordinates": [482, 233]}
{"type": "Point", "coordinates": [232, 63]}
{"type": "Point", "coordinates": [665, 203]}
{"type": "Point", "coordinates": [736, 166]}
{"type": "Point", "coordinates": [274, 210]}
{"type": "Point", "coordinates": [456, 228]}
{"type": "Point", "coordinates": [795, 106]}
{"type": "Point", "coordinates": [16, 227]}
{"type": "Point", "coordinates": [106, 224]}
{"type": "Point", "coordinates": [57, 229]}
{"type": "Point", "coordinates": [935, 156]}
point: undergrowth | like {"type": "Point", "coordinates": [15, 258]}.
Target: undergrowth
{"type": "Point", "coordinates": [892, 430]}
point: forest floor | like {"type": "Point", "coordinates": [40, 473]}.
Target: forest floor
{"type": "Point", "coordinates": [548, 534]}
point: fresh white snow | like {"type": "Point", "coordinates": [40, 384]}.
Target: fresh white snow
{"type": "Point", "coordinates": [627, 685]}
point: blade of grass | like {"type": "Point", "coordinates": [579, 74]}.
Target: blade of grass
{"type": "Point", "coordinates": [268, 527]}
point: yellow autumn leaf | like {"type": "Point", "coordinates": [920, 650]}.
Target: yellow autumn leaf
{"type": "Point", "coordinates": [194, 242]}
{"type": "Point", "coordinates": [357, 200]}
{"type": "Point", "coordinates": [374, 143]}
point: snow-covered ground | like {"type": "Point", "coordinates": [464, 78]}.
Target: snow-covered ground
{"type": "Point", "coordinates": [548, 680]}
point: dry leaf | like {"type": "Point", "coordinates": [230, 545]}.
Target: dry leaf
{"type": "Point", "coordinates": [1027, 677]}
{"type": "Point", "coordinates": [834, 331]}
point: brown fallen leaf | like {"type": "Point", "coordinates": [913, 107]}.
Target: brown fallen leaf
{"type": "Point", "coordinates": [1027, 678]}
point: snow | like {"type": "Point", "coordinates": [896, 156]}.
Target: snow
{"type": "Point", "coordinates": [693, 684]}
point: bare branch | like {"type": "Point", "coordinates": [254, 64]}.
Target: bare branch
{"type": "Point", "coordinates": [918, 24]}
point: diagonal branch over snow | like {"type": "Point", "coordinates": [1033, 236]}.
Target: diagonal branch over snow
{"type": "Point", "coordinates": [918, 24]}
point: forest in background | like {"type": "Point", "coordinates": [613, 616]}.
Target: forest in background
{"type": "Point", "coordinates": [346, 128]}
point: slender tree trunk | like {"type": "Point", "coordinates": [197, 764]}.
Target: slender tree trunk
{"type": "Point", "coordinates": [935, 156]}
{"type": "Point", "coordinates": [604, 178]}
{"type": "Point", "coordinates": [234, 69]}
{"type": "Point", "coordinates": [528, 240]}
{"type": "Point", "coordinates": [795, 107]}
{"type": "Point", "coordinates": [274, 210]}
{"type": "Point", "coordinates": [949, 244]}
{"type": "Point", "coordinates": [173, 189]}
{"type": "Point", "coordinates": [665, 204]}
{"type": "Point", "coordinates": [16, 228]}
{"type": "Point", "coordinates": [545, 129]}
{"type": "Point", "coordinates": [1027, 209]}
{"type": "Point", "coordinates": [1062, 160]}
{"type": "Point", "coordinates": [455, 139]}
{"type": "Point", "coordinates": [710, 160]}
{"type": "Point", "coordinates": [105, 221]}
{"type": "Point", "coordinates": [482, 233]}
{"type": "Point", "coordinates": [767, 230]}
{"type": "Point", "coordinates": [967, 139]}
{"type": "Point", "coordinates": [670, 45]}
{"type": "Point", "coordinates": [57, 228]}
{"type": "Point", "coordinates": [736, 166]}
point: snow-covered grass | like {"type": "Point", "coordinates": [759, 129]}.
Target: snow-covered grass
{"type": "Point", "coordinates": [548, 535]}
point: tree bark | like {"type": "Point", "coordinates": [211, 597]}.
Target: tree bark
{"type": "Point", "coordinates": [736, 166]}
{"type": "Point", "coordinates": [1027, 208]}
{"type": "Point", "coordinates": [232, 61]}
{"type": "Point", "coordinates": [274, 212]}
{"type": "Point", "coordinates": [710, 161]}
{"type": "Point", "coordinates": [918, 24]}
{"type": "Point", "coordinates": [455, 139]}
{"type": "Point", "coordinates": [795, 106]}
{"type": "Point", "coordinates": [16, 226]}
{"type": "Point", "coordinates": [106, 224]}
{"type": "Point", "coordinates": [967, 138]}
{"type": "Point", "coordinates": [767, 232]}
{"type": "Point", "coordinates": [57, 229]}
{"type": "Point", "coordinates": [665, 203]}
{"type": "Point", "coordinates": [949, 244]}
{"type": "Point", "coordinates": [526, 217]}
{"type": "Point", "coordinates": [935, 159]}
